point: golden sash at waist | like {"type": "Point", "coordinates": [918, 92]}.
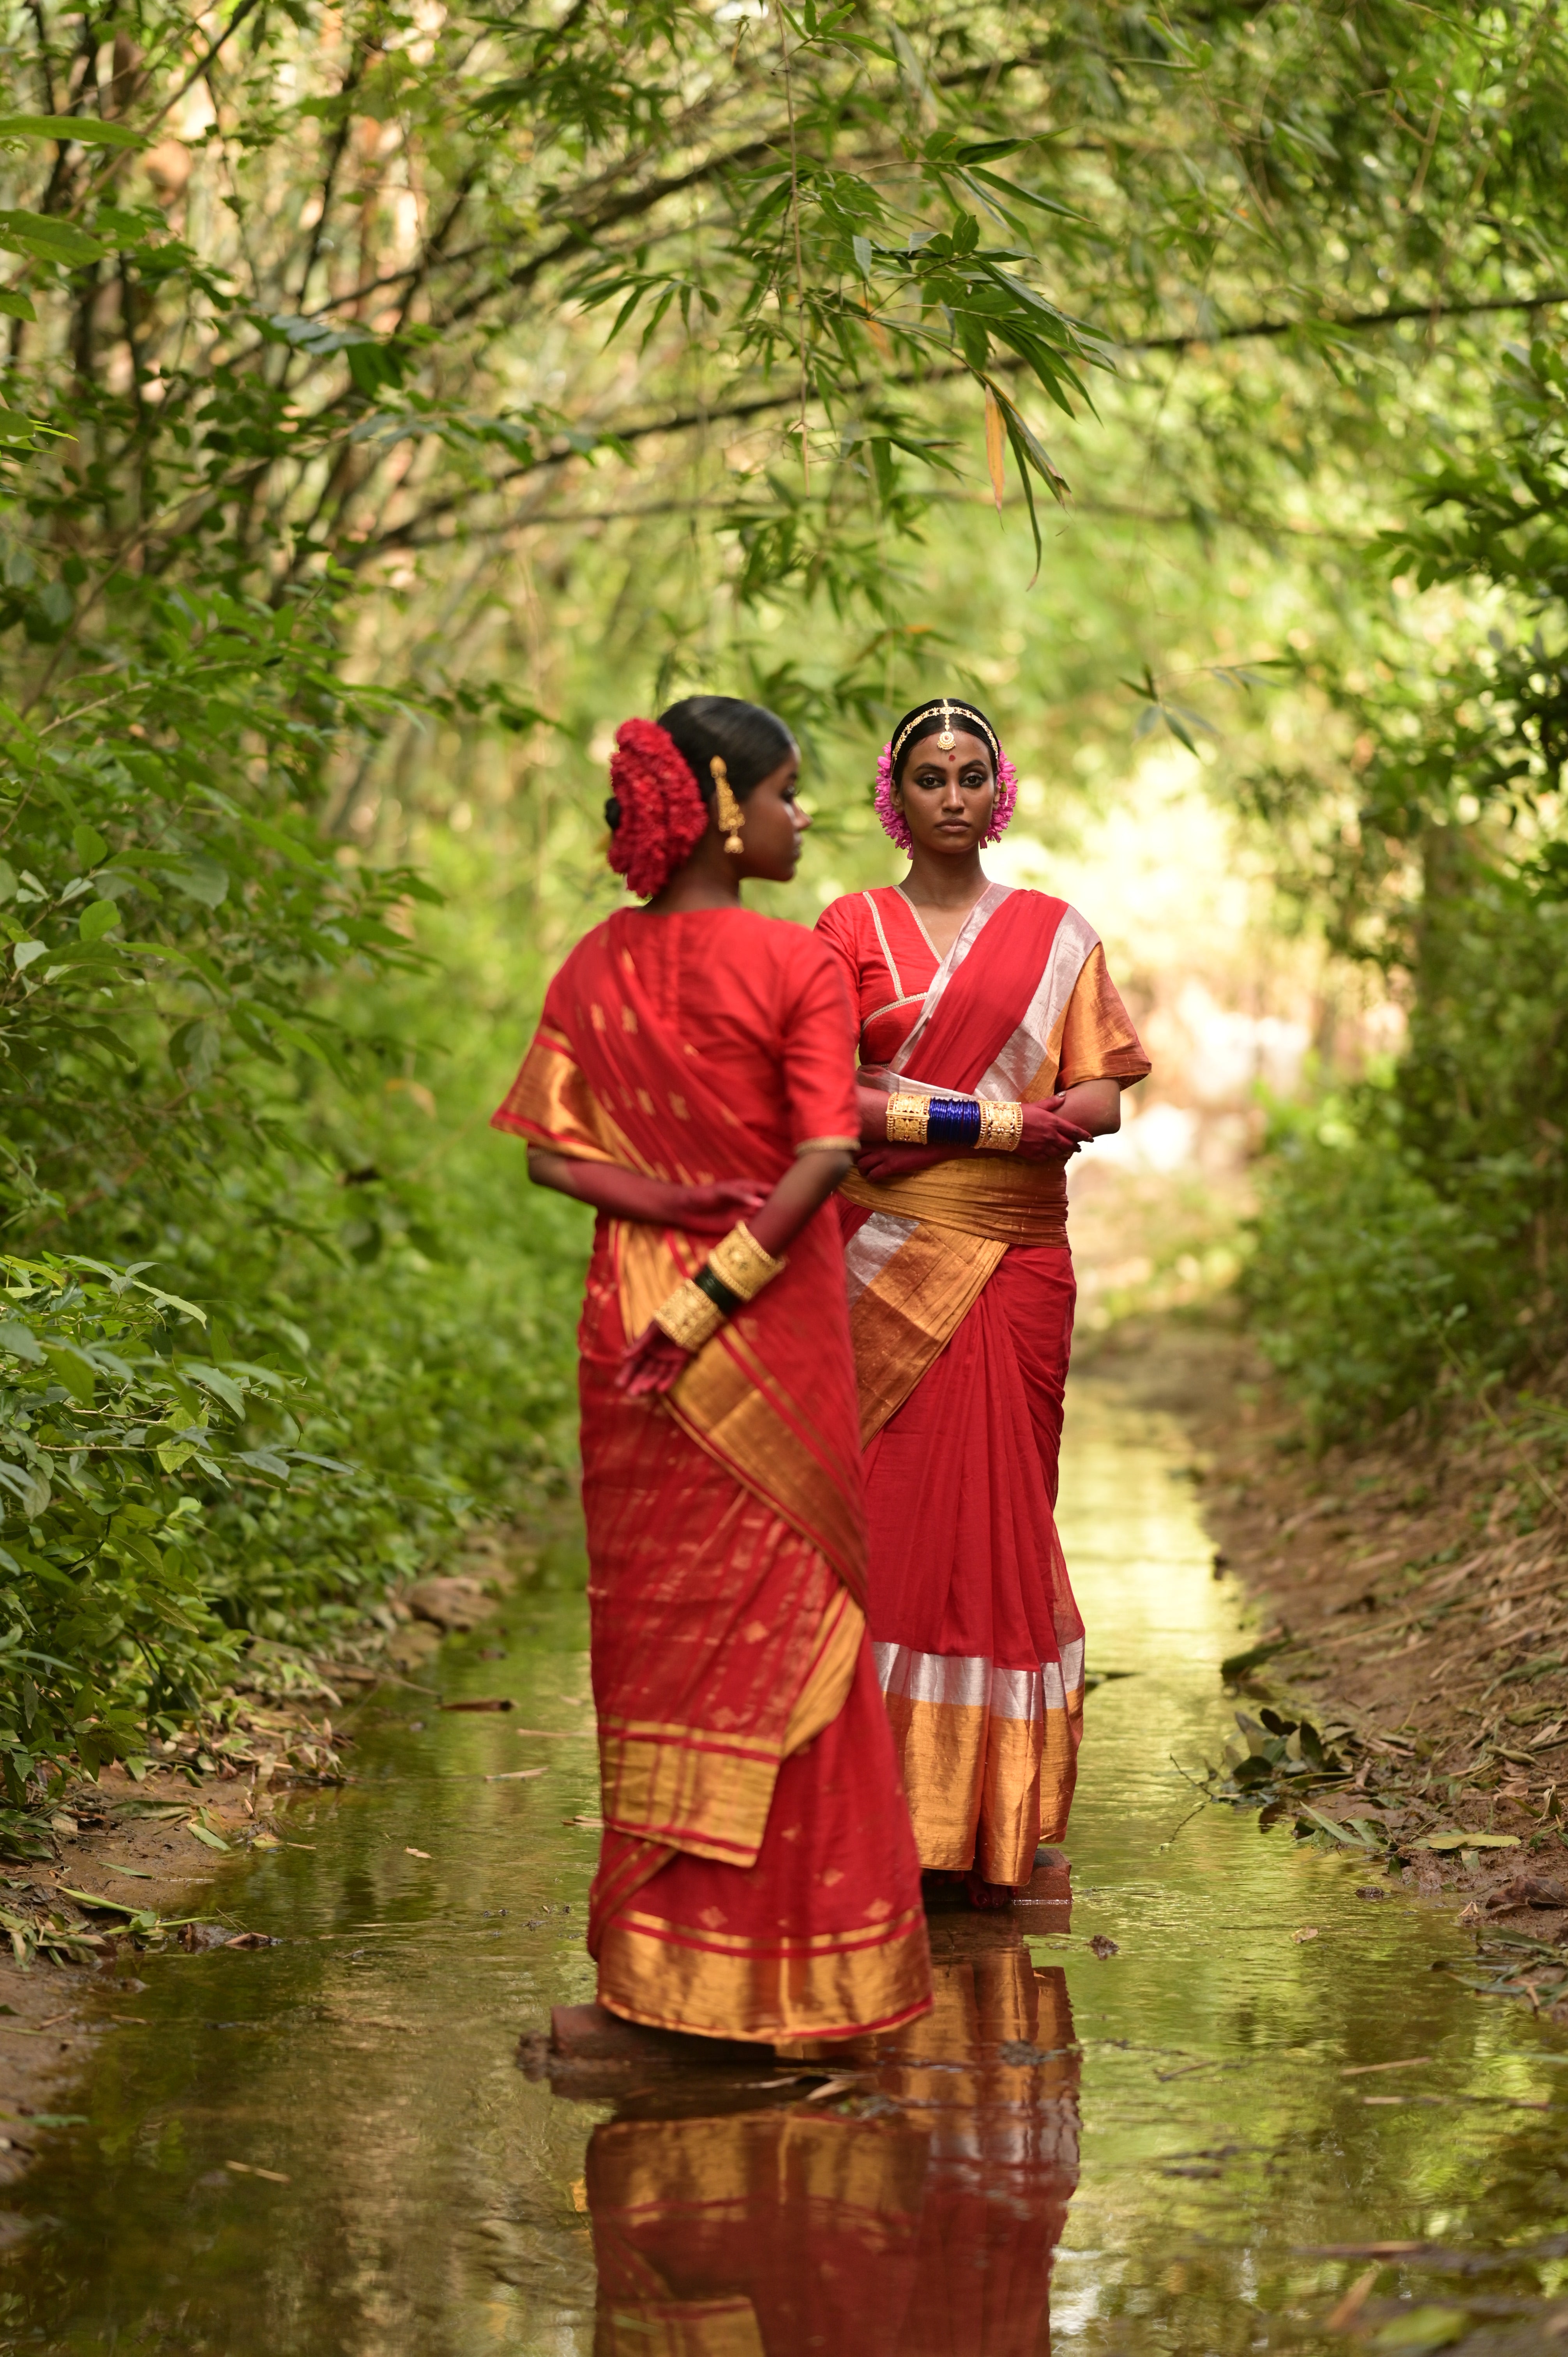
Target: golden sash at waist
{"type": "Point", "coordinates": [988, 1195]}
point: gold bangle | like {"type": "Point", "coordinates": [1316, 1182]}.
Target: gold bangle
{"type": "Point", "coordinates": [1001, 1128]}
{"type": "Point", "coordinates": [689, 1317]}
{"type": "Point", "coordinates": [907, 1117]}
{"type": "Point", "coordinates": [738, 1261]}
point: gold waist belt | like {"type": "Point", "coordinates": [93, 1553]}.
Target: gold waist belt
{"type": "Point", "coordinates": [1007, 1203]}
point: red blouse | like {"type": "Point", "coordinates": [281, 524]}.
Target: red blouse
{"type": "Point", "coordinates": [758, 1003]}
{"type": "Point", "coordinates": [890, 964]}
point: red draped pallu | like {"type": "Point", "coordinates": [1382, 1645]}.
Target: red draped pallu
{"type": "Point", "coordinates": [962, 1298]}
{"type": "Point", "coordinates": [756, 1877]}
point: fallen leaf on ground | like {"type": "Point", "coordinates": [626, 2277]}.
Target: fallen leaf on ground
{"type": "Point", "coordinates": [1102, 1947]}
{"type": "Point", "coordinates": [1351, 2306]}
{"type": "Point", "coordinates": [141, 1873]}
{"type": "Point", "coordinates": [249, 2168]}
{"type": "Point", "coordinates": [1307, 1931]}
{"type": "Point", "coordinates": [833, 2087]}
{"type": "Point", "coordinates": [515, 1775]}
{"type": "Point", "coordinates": [205, 1834]}
{"type": "Point", "coordinates": [580, 2194]}
{"type": "Point", "coordinates": [1423, 2327]}
{"type": "Point", "coordinates": [266, 1841]}
{"type": "Point", "coordinates": [1524, 1890]}
{"type": "Point", "coordinates": [1455, 1838]}
{"type": "Point", "coordinates": [598, 1821]}
{"type": "Point", "coordinates": [409, 1851]}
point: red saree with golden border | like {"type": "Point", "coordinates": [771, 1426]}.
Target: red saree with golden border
{"type": "Point", "coordinates": [756, 1874]}
{"type": "Point", "coordinates": [961, 1298]}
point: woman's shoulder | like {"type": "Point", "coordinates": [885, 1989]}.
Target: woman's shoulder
{"type": "Point", "coordinates": [1051, 908]}
{"type": "Point", "coordinates": [852, 918]}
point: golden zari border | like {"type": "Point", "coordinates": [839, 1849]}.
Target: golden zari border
{"type": "Point", "coordinates": [831, 1985]}
{"type": "Point", "coordinates": [551, 1105]}
{"type": "Point", "coordinates": [1008, 1202]}
{"type": "Point", "coordinates": [706, 1794]}
{"type": "Point", "coordinates": [706, 1790]}
{"type": "Point", "coordinates": [729, 1403]}
{"type": "Point", "coordinates": [644, 2170]}
{"type": "Point", "coordinates": [984, 1790]}
{"type": "Point", "coordinates": [905, 1318]}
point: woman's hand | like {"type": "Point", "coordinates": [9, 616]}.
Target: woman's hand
{"type": "Point", "coordinates": [1049, 1133]}
{"type": "Point", "coordinates": [653, 1364]}
{"type": "Point", "coordinates": [714, 1210]}
{"type": "Point", "coordinates": [883, 1162]}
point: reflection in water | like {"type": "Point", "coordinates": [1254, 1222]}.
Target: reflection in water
{"type": "Point", "coordinates": [426, 2200]}
{"type": "Point", "coordinates": [921, 2217]}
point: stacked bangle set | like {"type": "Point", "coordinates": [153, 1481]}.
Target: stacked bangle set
{"type": "Point", "coordinates": [733, 1274]}
{"type": "Point", "coordinates": [954, 1121]}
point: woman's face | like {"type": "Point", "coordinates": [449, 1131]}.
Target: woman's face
{"type": "Point", "coordinates": [775, 823]}
{"type": "Point", "coordinates": [948, 797]}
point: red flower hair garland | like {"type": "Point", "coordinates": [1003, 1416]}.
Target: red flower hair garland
{"type": "Point", "coordinates": [662, 814]}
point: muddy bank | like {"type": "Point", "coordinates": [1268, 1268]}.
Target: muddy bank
{"type": "Point", "coordinates": [1413, 1593]}
{"type": "Point", "coordinates": [104, 1871]}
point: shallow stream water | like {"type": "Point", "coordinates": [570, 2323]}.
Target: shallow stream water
{"type": "Point", "coordinates": [1193, 2145]}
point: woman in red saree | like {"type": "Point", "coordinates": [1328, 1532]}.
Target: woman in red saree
{"type": "Point", "coordinates": [692, 1077]}
{"type": "Point", "coordinates": [962, 1294]}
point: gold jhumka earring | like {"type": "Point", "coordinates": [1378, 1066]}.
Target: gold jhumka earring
{"type": "Point", "coordinates": [731, 816]}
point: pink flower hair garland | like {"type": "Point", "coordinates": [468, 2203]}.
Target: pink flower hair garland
{"type": "Point", "coordinates": [894, 824]}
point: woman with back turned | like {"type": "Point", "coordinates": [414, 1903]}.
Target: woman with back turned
{"type": "Point", "coordinates": [692, 1077]}
{"type": "Point", "coordinates": [993, 1045]}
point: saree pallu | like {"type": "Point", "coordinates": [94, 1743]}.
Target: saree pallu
{"type": "Point", "coordinates": [756, 1877]}
{"type": "Point", "coordinates": [962, 1298]}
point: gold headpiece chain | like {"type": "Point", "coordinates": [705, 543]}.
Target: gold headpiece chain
{"type": "Point", "coordinates": [945, 710]}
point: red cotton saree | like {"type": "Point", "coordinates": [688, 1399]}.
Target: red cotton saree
{"type": "Point", "coordinates": [962, 1298]}
{"type": "Point", "coordinates": [757, 1874]}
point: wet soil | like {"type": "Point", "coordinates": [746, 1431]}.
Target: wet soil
{"type": "Point", "coordinates": [1231, 2103]}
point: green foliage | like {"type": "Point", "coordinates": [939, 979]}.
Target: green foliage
{"type": "Point", "coordinates": [387, 390]}
{"type": "Point", "coordinates": [1436, 1225]}
{"type": "Point", "coordinates": [1367, 1284]}
{"type": "Point", "coordinates": [111, 1432]}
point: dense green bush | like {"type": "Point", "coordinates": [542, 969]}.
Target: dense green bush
{"type": "Point", "coordinates": [1366, 1285]}
{"type": "Point", "coordinates": [1424, 1228]}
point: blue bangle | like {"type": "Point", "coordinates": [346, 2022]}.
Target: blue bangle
{"type": "Point", "coordinates": [952, 1121]}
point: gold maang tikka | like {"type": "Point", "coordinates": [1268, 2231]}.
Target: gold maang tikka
{"type": "Point", "coordinates": [946, 740]}
{"type": "Point", "coordinates": [731, 816]}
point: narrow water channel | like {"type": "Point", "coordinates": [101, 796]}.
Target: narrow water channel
{"type": "Point", "coordinates": [327, 2148]}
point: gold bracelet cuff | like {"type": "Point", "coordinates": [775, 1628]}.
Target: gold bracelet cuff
{"type": "Point", "coordinates": [689, 1317]}
{"type": "Point", "coordinates": [908, 1115]}
{"type": "Point", "coordinates": [738, 1261]}
{"type": "Point", "coordinates": [1001, 1128]}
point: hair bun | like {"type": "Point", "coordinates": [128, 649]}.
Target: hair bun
{"type": "Point", "coordinates": [661, 815]}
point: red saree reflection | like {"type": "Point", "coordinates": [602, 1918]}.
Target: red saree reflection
{"type": "Point", "coordinates": [920, 2221]}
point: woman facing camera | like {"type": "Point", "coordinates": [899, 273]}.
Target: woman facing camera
{"type": "Point", "coordinates": [993, 1046]}
{"type": "Point", "coordinates": [692, 1077]}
